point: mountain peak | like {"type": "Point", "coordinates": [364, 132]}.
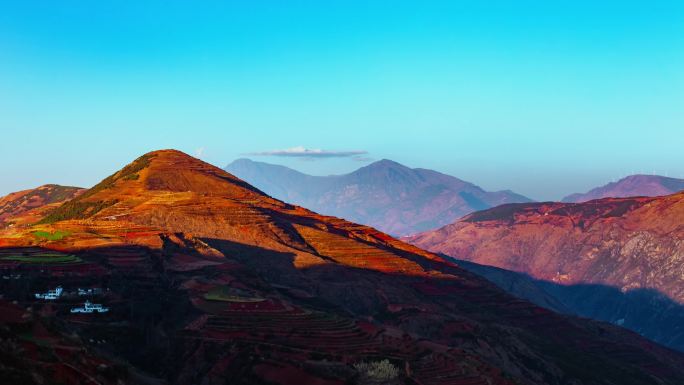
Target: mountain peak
{"type": "Point", "coordinates": [385, 167]}
{"type": "Point", "coordinates": [384, 194]}
{"type": "Point", "coordinates": [632, 185]}
{"type": "Point", "coordinates": [16, 205]}
{"type": "Point", "coordinates": [176, 171]}
{"type": "Point", "coordinates": [167, 152]}
{"type": "Point", "coordinates": [158, 176]}
{"type": "Point", "coordinates": [385, 163]}
{"type": "Point", "coordinates": [241, 161]}
{"type": "Point", "coordinates": [169, 156]}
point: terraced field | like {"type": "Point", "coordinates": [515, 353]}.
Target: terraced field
{"type": "Point", "coordinates": [312, 333]}
{"type": "Point", "coordinates": [225, 294]}
{"type": "Point", "coordinates": [51, 236]}
{"type": "Point", "coordinates": [33, 256]}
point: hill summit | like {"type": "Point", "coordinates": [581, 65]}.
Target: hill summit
{"type": "Point", "coordinates": [631, 186]}
{"type": "Point", "coordinates": [27, 205]}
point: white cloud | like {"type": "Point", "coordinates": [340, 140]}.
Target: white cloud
{"type": "Point", "coordinates": [311, 153]}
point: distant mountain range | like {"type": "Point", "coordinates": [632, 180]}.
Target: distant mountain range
{"type": "Point", "coordinates": [631, 186]}
{"type": "Point", "coordinates": [614, 259]}
{"type": "Point", "coordinates": [386, 195]}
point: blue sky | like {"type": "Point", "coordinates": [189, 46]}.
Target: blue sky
{"type": "Point", "coordinates": [542, 97]}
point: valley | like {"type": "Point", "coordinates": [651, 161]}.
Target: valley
{"type": "Point", "coordinates": [613, 259]}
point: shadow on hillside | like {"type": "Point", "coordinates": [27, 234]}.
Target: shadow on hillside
{"type": "Point", "coordinates": [152, 308]}
{"type": "Point", "coordinates": [645, 311]}
{"type": "Point", "coordinates": [465, 310]}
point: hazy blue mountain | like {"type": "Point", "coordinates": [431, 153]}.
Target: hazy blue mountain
{"type": "Point", "coordinates": [387, 195]}
{"type": "Point", "coordinates": [633, 185]}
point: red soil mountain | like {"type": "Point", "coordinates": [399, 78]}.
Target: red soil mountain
{"type": "Point", "coordinates": [19, 203]}
{"type": "Point", "coordinates": [631, 186]}
{"type": "Point", "coordinates": [630, 245]}
{"type": "Point", "coordinates": [209, 280]}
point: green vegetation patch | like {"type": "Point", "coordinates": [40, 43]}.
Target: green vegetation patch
{"type": "Point", "coordinates": [131, 177]}
{"type": "Point", "coordinates": [227, 294]}
{"type": "Point", "coordinates": [54, 236]}
{"type": "Point", "coordinates": [77, 208]}
{"type": "Point", "coordinates": [44, 258]}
